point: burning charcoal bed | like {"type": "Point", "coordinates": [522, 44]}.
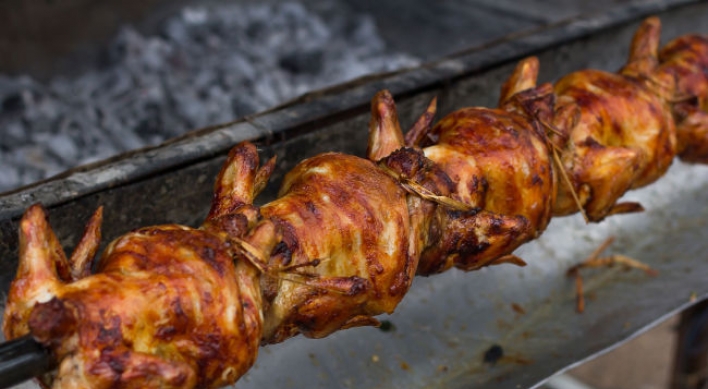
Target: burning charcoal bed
{"type": "Point", "coordinates": [204, 66]}
{"type": "Point", "coordinates": [500, 327]}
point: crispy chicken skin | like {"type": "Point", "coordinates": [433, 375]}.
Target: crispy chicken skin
{"type": "Point", "coordinates": [487, 172]}
{"type": "Point", "coordinates": [620, 132]}
{"type": "Point", "coordinates": [500, 166]}
{"type": "Point", "coordinates": [353, 219]}
{"type": "Point", "coordinates": [339, 246]}
{"type": "Point", "coordinates": [499, 163]}
{"type": "Point", "coordinates": [168, 308]}
{"type": "Point", "coordinates": [684, 68]}
{"type": "Point", "coordinates": [178, 307]}
{"type": "Point", "coordinates": [622, 137]}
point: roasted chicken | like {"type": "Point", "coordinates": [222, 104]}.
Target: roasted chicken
{"type": "Point", "coordinates": [172, 306]}
{"type": "Point", "coordinates": [168, 307]}
{"type": "Point", "coordinates": [683, 72]}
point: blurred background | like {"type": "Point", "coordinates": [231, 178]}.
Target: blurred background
{"type": "Point", "coordinates": [84, 80]}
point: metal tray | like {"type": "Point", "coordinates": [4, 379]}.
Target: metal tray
{"type": "Point", "coordinates": [445, 325]}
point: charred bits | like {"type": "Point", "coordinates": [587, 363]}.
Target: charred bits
{"type": "Point", "coordinates": [387, 326]}
{"type": "Point", "coordinates": [518, 309]}
{"type": "Point", "coordinates": [493, 354]}
{"type": "Point", "coordinates": [51, 320]}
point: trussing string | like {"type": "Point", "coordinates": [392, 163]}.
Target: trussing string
{"type": "Point", "coordinates": [256, 257]}
{"type": "Point", "coordinates": [564, 173]}
{"type": "Point", "coordinates": [556, 158]}
{"type": "Point", "coordinates": [666, 88]}
{"type": "Point", "coordinates": [416, 188]}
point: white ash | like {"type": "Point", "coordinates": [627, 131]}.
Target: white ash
{"type": "Point", "coordinates": [207, 66]}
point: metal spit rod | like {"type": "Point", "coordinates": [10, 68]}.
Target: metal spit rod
{"type": "Point", "coordinates": [22, 359]}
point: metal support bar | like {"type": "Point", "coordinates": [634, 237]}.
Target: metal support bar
{"type": "Point", "coordinates": [691, 355]}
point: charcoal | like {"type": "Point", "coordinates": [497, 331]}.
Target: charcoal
{"type": "Point", "coordinates": [9, 177]}
{"type": "Point", "coordinates": [13, 103]}
{"type": "Point", "coordinates": [305, 62]}
{"type": "Point", "coordinates": [204, 66]}
{"type": "Point", "coordinates": [62, 146]}
{"type": "Point", "coordinates": [15, 135]}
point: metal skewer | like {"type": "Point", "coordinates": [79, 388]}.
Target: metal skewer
{"type": "Point", "coordinates": [22, 359]}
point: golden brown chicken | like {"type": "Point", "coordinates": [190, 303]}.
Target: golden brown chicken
{"type": "Point", "coordinates": [168, 307]}
{"type": "Point", "coordinates": [499, 164]}
{"type": "Point", "coordinates": [172, 306]}
{"type": "Point", "coordinates": [683, 72]}
{"type": "Point", "coordinates": [348, 235]}
{"type": "Point", "coordinates": [614, 132]}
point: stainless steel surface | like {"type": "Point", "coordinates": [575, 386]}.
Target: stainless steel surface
{"type": "Point", "coordinates": [447, 322]}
